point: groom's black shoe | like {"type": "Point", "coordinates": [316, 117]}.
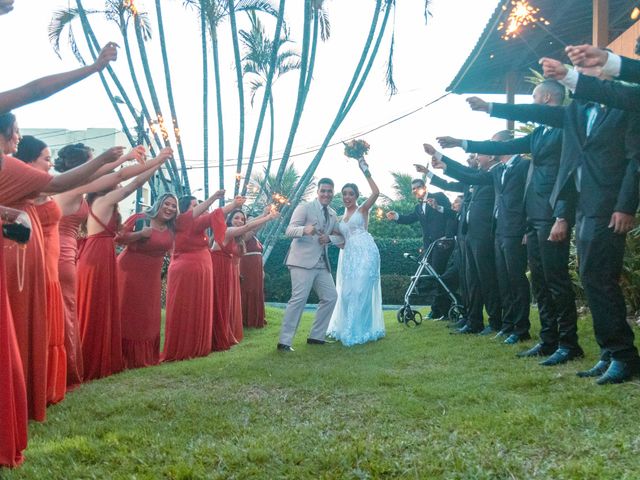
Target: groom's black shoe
{"type": "Point", "coordinates": [315, 341]}
{"type": "Point", "coordinates": [284, 348]}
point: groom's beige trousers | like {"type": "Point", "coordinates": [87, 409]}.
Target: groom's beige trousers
{"type": "Point", "coordinates": [302, 281]}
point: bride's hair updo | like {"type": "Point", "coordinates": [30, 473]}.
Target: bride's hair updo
{"type": "Point", "coordinates": [353, 187]}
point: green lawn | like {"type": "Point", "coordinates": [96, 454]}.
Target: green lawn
{"type": "Point", "coordinates": [418, 404]}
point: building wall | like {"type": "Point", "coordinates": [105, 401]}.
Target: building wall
{"type": "Point", "coordinates": [625, 44]}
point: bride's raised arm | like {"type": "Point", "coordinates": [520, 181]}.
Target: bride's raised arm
{"type": "Point", "coordinates": [375, 191]}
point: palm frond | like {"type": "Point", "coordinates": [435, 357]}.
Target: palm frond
{"type": "Point", "coordinates": [74, 47]}
{"type": "Point", "coordinates": [254, 86]}
{"type": "Point", "coordinates": [389, 81]}
{"type": "Point", "coordinates": [59, 21]}
{"type": "Point", "coordinates": [323, 20]}
{"type": "Point", "coordinates": [427, 12]}
{"type": "Point", "coordinates": [264, 6]}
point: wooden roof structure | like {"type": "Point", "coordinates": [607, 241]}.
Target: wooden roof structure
{"type": "Point", "coordinates": [496, 65]}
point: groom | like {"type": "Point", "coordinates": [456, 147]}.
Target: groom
{"type": "Point", "coordinates": [311, 228]}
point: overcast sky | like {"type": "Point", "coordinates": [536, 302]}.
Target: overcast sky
{"type": "Point", "coordinates": [427, 58]}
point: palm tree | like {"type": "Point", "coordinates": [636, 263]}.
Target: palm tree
{"type": "Point", "coordinates": [315, 13]}
{"type": "Point", "coordinates": [258, 47]}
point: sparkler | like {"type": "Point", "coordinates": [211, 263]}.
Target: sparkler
{"type": "Point", "coordinates": [521, 15]}
{"type": "Point", "coordinates": [131, 6]}
{"type": "Point", "coordinates": [379, 213]}
{"type": "Point", "coordinates": [635, 13]}
{"type": "Point", "coordinates": [279, 201]}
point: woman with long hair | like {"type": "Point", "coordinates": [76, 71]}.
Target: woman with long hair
{"type": "Point", "coordinates": [25, 269]}
{"type": "Point", "coordinates": [37, 154]}
{"type": "Point", "coordinates": [225, 258]}
{"type": "Point", "coordinates": [148, 237]}
{"type": "Point", "coordinates": [75, 211]}
{"type": "Point", "coordinates": [98, 295]}
{"type": "Point", "coordinates": [189, 281]}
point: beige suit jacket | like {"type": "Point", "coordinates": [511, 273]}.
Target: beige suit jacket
{"type": "Point", "coordinates": [305, 250]}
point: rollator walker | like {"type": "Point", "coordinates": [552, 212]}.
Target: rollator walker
{"type": "Point", "coordinates": [408, 315]}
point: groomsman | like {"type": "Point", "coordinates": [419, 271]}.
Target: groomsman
{"type": "Point", "coordinates": [598, 183]}
{"type": "Point", "coordinates": [508, 180]}
{"type": "Point", "coordinates": [548, 260]}
{"type": "Point", "coordinates": [431, 212]}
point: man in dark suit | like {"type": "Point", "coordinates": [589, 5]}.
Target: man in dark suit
{"type": "Point", "coordinates": [598, 184]}
{"type": "Point", "coordinates": [548, 261]}
{"type": "Point", "coordinates": [430, 212]}
{"type": "Point", "coordinates": [477, 250]}
{"type": "Point", "coordinates": [507, 179]}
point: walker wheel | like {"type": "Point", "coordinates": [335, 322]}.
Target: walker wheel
{"type": "Point", "coordinates": [455, 313]}
{"type": "Point", "coordinates": [409, 317]}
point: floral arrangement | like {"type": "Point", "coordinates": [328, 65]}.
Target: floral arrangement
{"type": "Point", "coordinates": [356, 149]}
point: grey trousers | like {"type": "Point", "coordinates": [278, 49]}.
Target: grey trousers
{"type": "Point", "coordinates": [302, 281]}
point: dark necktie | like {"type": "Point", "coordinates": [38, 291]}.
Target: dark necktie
{"type": "Point", "coordinates": [325, 210]}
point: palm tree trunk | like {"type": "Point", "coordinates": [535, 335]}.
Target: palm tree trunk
{"type": "Point", "coordinates": [172, 107]}
{"type": "Point", "coordinates": [173, 167]}
{"type": "Point", "coordinates": [267, 94]}
{"type": "Point", "coordinates": [304, 62]}
{"type": "Point", "coordinates": [236, 55]}
{"type": "Point", "coordinates": [271, 137]}
{"type": "Point", "coordinates": [352, 93]}
{"type": "Point", "coordinates": [216, 70]}
{"type": "Point", "coordinates": [205, 97]}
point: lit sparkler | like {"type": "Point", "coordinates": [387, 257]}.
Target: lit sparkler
{"type": "Point", "coordinates": [131, 6]}
{"type": "Point", "coordinates": [279, 201]}
{"type": "Point", "coordinates": [379, 213]}
{"type": "Point", "coordinates": [635, 13]}
{"type": "Point", "coordinates": [521, 15]}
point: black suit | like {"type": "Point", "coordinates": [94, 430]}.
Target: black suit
{"type": "Point", "coordinates": [548, 261]}
{"type": "Point", "coordinates": [508, 182]}
{"type": "Point", "coordinates": [434, 225]}
{"type": "Point", "coordinates": [613, 94]}
{"type": "Point", "coordinates": [597, 176]}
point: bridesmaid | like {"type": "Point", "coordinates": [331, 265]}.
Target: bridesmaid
{"type": "Point", "coordinates": [98, 299]}
{"type": "Point", "coordinates": [13, 393]}
{"type": "Point", "coordinates": [225, 257]}
{"type": "Point", "coordinates": [139, 274]}
{"type": "Point", "coordinates": [75, 211]}
{"type": "Point", "coordinates": [36, 153]}
{"type": "Point", "coordinates": [24, 264]}
{"type": "Point", "coordinates": [252, 283]}
{"type": "Point", "coordinates": [189, 282]}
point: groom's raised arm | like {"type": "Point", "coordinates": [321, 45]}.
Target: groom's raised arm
{"type": "Point", "coordinates": [296, 228]}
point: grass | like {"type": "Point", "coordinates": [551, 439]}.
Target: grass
{"type": "Point", "coordinates": [418, 404]}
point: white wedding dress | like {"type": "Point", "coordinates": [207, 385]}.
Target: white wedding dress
{"type": "Point", "coordinates": [357, 317]}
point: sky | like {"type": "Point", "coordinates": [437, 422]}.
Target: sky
{"type": "Point", "coordinates": [427, 57]}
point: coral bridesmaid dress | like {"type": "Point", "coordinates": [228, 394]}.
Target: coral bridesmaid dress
{"type": "Point", "coordinates": [50, 214]}
{"type": "Point", "coordinates": [227, 305]}
{"type": "Point", "coordinates": [189, 287]}
{"type": "Point", "coordinates": [252, 285]}
{"type": "Point", "coordinates": [139, 277]}
{"type": "Point", "coordinates": [98, 303]}
{"type": "Point", "coordinates": [67, 271]}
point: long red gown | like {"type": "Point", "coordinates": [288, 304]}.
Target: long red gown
{"type": "Point", "coordinates": [227, 305]}
{"type": "Point", "coordinates": [252, 284]}
{"type": "Point", "coordinates": [13, 392]}
{"type": "Point", "coordinates": [189, 285]}
{"type": "Point", "coordinates": [98, 303]}
{"type": "Point", "coordinates": [67, 271]}
{"type": "Point", "coordinates": [19, 183]}
{"type": "Point", "coordinates": [139, 277]}
{"type": "Point", "coordinates": [50, 214]}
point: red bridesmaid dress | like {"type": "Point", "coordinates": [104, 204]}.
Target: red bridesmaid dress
{"type": "Point", "coordinates": [252, 284]}
{"type": "Point", "coordinates": [227, 305]}
{"type": "Point", "coordinates": [49, 214]}
{"type": "Point", "coordinates": [98, 303]}
{"type": "Point", "coordinates": [25, 267]}
{"type": "Point", "coordinates": [13, 393]}
{"type": "Point", "coordinates": [139, 277]}
{"type": "Point", "coordinates": [67, 270]}
{"type": "Point", "coordinates": [189, 286]}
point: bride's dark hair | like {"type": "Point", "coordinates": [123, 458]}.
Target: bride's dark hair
{"type": "Point", "coordinates": [353, 187]}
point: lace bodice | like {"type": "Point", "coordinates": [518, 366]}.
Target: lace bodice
{"type": "Point", "coordinates": [355, 225]}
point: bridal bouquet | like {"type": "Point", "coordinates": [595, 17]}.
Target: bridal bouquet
{"type": "Point", "coordinates": [356, 149]}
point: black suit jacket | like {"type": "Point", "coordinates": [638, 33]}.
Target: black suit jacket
{"type": "Point", "coordinates": [545, 147]}
{"type": "Point", "coordinates": [461, 216]}
{"type": "Point", "coordinates": [613, 94]}
{"type": "Point", "coordinates": [509, 195]}
{"type": "Point", "coordinates": [433, 223]}
{"type": "Point", "coordinates": [608, 157]}
{"type": "Point", "coordinates": [629, 70]}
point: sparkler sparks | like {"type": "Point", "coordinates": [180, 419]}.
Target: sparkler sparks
{"type": "Point", "coordinates": [279, 201]}
{"type": "Point", "coordinates": [131, 6]}
{"type": "Point", "coordinates": [521, 15]}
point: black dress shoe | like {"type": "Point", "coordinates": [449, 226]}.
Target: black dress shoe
{"type": "Point", "coordinates": [464, 330]}
{"type": "Point", "coordinates": [315, 341]}
{"type": "Point", "coordinates": [488, 330]}
{"type": "Point", "coordinates": [515, 338]}
{"type": "Point", "coordinates": [595, 371]}
{"type": "Point", "coordinates": [285, 348]}
{"type": "Point", "coordinates": [538, 350]}
{"type": "Point", "coordinates": [459, 324]}
{"type": "Point", "coordinates": [502, 334]}
{"type": "Point", "coordinates": [619, 372]}
{"type": "Point", "coordinates": [562, 355]}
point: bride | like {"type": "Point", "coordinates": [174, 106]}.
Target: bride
{"type": "Point", "coordinates": [357, 317]}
